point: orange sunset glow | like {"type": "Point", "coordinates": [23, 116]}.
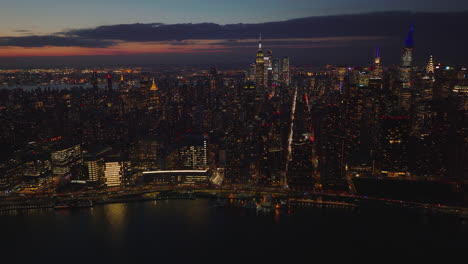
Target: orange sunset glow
{"type": "Point", "coordinates": [122, 48]}
{"type": "Point", "coordinates": [184, 46]}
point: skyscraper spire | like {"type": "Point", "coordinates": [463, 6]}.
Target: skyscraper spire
{"type": "Point", "coordinates": [377, 56]}
{"type": "Point", "coordinates": [407, 59]}
{"type": "Point", "coordinates": [260, 42]}
{"type": "Point", "coordinates": [409, 38]}
{"type": "Point", "coordinates": [430, 66]}
{"type": "Point", "coordinates": [153, 87]}
{"type": "Point", "coordinates": [260, 69]}
{"type": "Point", "coordinates": [377, 73]}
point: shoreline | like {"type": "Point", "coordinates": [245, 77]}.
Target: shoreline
{"type": "Point", "coordinates": [286, 200]}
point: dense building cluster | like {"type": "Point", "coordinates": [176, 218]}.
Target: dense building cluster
{"type": "Point", "coordinates": [271, 125]}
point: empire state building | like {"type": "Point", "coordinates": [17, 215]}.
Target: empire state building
{"type": "Point", "coordinates": [260, 68]}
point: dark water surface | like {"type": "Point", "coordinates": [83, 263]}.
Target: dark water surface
{"type": "Point", "coordinates": [191, 231]}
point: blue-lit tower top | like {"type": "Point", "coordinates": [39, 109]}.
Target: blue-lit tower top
{"type": "Point", "coordinates": [407, 59]}
{"type": "Point", "coordinates": [409, 38]}
{"type": "Point", "coordinates": [408, 51]}
{"type": "Point", "coordinates": [377, 72]}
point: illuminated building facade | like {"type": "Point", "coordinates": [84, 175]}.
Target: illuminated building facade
{"type": "Point", "coordinates": [407, 60]}
{"type": "Point", "coordinates": [11, 173]}
{"type": "Point", "coordinates": [260, 70]}
{"type": "Point", "coordinates": [176, 177]}
{"type": "Point", "coordinates": [95, 165]}
{"type": "Point", "coordinates": [461, 93]}
{"type": "Point", "coordinates": [95, 170]}
{"type": "Point", "coordinates": [430, 67]}
{"type": "Point", "coordinates": [64, 158]}
{"type": "Point", "coordinates": [113, 173]}
{"type": "Point", "coordinates": [146, 154]}
{"type": "Point", "coordinates": [285, 78]}
{"type": "Point", "coordinates": [378, 71]}
{"type": "Point", "coordinates": [94, 80]}
{"type": "Point", "coordinates": [395, 145]}
{"type": "Point", "coordinates": [37, 167]}
{"type": "Point", "coordinates": [109, 82]}
{"type": "Point", "coordinates": [268, 62]}
{"type": "Point", "coordinates": [189, 153]}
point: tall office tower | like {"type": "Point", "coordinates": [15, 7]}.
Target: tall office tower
{"type": "Point", "coordinates": [153, 95]}
{"type": "Point", "coordinates": [407, 59]}
{"type": "Point", "coordinates": [375, 80]}
{"type": "Point", "coordinates": [430, 68]}
{"type": "Point", "coordinates": [268, 69]}
{"type": "Point", "coordinates": [94, 162]}
{"type": "Point", "coordinates": [109, 83]}
{"type": "Point", "coordinates": [146, 154]}
{"type": "Point", "coordinates": [122, 81]}
{"type": "Point", "coordinates": [285, 77]}
{"type": "Point", "coordinates": [94, 80]}
{"type": "Point", "coordinates": [214, 87]}
{"type": "Point", "coordinates": [260, 69]}
{"type": "Point", "coordinates": [189, 153]}
{"type": "Point", "coordinates": [406, 99]}
{"type": "Point", "coordinates": [276, 69]}
{"type": "Point", "coordinates": [95, 168]}
{"type": "Point", "coordinates": [117, 169]}
{"type": "Point", "coordinates": [395, 146]}
{"type": "Point", "coordinates": [113, 173]}
{"type": "Point", "coordinates": [251, 73]}
{"type": "Point", "coordinates": [377, 73]}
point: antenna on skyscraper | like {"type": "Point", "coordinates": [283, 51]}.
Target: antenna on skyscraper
{"type": "Point", "coordinates": [260, 41]}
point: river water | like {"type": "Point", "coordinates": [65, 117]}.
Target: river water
{"type": "Point", "coordinates": [191, 231]}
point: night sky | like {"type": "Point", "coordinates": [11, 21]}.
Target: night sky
{"type": "Point", "coordinates": [207, 31]}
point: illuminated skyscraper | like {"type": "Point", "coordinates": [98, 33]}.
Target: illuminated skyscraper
{"type": "Point", "coordinates": [190, 153]}
{"type": "Point", "coordinates": [117, 169]}
{"type": "Point", "coordinates": [154, 95]}
{"type": "Point", "coordinates": [285, 77]}
{"type": "Point", "coordinates": [95, 169]}
{"type": "Point", "coordinates": [375, 81]}
{"type": "Point", "coordinates": [122, 81]}
{"type": "Point", "coordinates": [276, 69]}
{"type": "Point", "coordinates": [377, 74]}
{"type": "Point", "coordinates": [153, 87]}
{"type": "Point", "coordinates": [94, 80]}
{"type": "Point", "coordinates": [407, 59]}
{"type": "Point", "coordinates": [260, 69]}
{"type": "Point", "coordinates": [113, 173]}
{"type": "Point", "coordinates": [109, 83]}
{"type": "Point", "coordinates": [430, 68]}
{"type": "Point", "coordinates": [94, 162]}
{"type": "Point", "coordinates": [268, 69]}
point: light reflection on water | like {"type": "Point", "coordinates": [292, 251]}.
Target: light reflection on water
{"type": "Point", "coordinates": [179, 230]}
{"type": "Point", "coordinates": [116, 221]}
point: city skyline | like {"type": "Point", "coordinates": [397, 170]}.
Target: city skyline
{"type": "Point", "coordinates": [51, 16]}
{"type": "Point", "coordinates": [336, 39]}
{"type": "Point", "coordinates": [186, 131]}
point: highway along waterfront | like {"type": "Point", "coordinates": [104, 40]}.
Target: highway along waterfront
{"type": "Point", "coordinates": [262, 198]}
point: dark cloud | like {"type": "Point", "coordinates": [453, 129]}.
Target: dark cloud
{"type": "Point", "coordinates": [332, 41]}
{"type": "Point", "coordinates": [327, 39]}
{"type": "Point", "coordinates": [59, 41]}
{"type": "Point", "coordinates": [372, 24]}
